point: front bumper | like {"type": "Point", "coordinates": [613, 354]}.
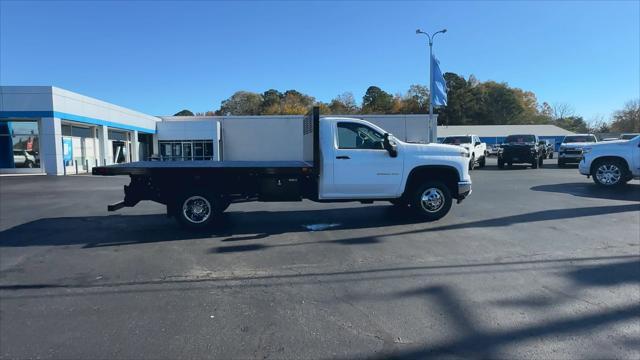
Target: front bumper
{"type": "Point", "coordinates": [517, 158]}
{"type": "Point", "coordinates": [584, 168]}
{"type": "Point", "coordinates": [575, 158]}
{"type": "Point", "coordinates": [464, 190]}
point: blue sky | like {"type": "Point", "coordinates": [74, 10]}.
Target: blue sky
{"type": "Point", "coordinates": [161, 57]}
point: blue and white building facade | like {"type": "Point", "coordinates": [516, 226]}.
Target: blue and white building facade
{"type": "Point", "coordinates": [48, 130]}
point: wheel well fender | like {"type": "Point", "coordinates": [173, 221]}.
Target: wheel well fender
{"type": "Point", "coordinates": [447, 174]}
{"type": "Point", "coordinates": [597, 161]}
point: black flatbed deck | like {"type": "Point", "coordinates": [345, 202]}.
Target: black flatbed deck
{"type": "Point", "coordinates": [258, 167]}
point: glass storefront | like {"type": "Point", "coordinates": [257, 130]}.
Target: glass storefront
{"type": "Point", "coordinates": [79, 147]}
{"type": "Point", "coordinates": [19, 144]}
{"type": "Point", "coordinates": [186, 150]}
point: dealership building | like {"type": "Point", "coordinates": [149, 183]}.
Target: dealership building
{"type": "Point", "coordinates": [48, 130]}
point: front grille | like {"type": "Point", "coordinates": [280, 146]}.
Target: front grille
{"type": "Point", "coordinates": [517, 152]}
{"type": "Point", "coordinates": [572, 152]}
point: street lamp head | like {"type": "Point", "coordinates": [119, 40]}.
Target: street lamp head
{"type": "Point", "coordinates": [418, 31]}
{"type": "Point", "coordinates": [444, 31]}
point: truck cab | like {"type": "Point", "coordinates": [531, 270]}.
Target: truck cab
{"type": "Point", "coordinates": [357, 164]}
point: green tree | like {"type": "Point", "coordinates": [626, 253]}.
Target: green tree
{"type": "Point", "coordinates": [627, 119]}
{"type": "Point", "coordinates": [376, 101]}
{"type": "Point", "coordinates": [271, 102]}
{"type": "Point", "coordinates": [184, 112]}
{"type": "Point", "coordinates": [416, 101]}
{"type": "Point", "coordinates": [296, 103]}
{"type": "Point", "coordinates": [241, 103]}
{"type": "Point", "coordinates": [572, 123]}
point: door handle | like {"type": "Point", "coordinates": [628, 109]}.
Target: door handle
{"type": "Point", "coordinates": [343, 157]}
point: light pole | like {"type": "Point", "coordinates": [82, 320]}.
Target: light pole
{"type": "Point", "coordinates": [431, 37]}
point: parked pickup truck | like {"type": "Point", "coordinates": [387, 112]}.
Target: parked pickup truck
{"type": "Point", "coordinates": [351, 160]}
{"type": "Point", "coordinates": [521, 149]}
{"type": "Point", "coordinates": [611, 163]}
{"type": "Point", "coordinates": [472, 143]}
{"type": "Point", "coordinates": [571, 148]}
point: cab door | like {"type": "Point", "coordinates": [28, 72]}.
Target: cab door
{"type": "Point", "coordinates": [362, 168]}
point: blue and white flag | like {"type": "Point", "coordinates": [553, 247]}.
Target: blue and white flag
{"type": "Point", "coordinates": [438, 85]}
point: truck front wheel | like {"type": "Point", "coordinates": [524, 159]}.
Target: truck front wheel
{"type": "Point", "coordinates": [196, 210]}
{"type": "Point", "coordinates": [432, 200]}
{"type": "Point", "coordinates": [609, 172]}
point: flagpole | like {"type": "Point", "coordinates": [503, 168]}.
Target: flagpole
{"type": "Point", "coordinates": [431, 37]}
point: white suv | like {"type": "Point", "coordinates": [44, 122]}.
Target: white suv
{"type": "Point", "coordinates": [612, 163]}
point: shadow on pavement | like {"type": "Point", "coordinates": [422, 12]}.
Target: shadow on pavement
{"type": "Point", "coordinates": [117, 230]}
{"type": "Point", "coordinates": [536, 216]}
{"type": "Point", "coordinates": [474, 339]}
{"type": "Point", "coordinates": [629, 191]}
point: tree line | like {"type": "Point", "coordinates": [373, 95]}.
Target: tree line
{"type": "Point", "coordinates": [470, 102]}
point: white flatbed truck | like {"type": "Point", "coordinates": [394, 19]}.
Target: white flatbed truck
{"type": "Point", "coordinates": [352, 160]}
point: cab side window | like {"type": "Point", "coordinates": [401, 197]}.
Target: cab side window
{"type": "Point", "coordinates": [357, 136]}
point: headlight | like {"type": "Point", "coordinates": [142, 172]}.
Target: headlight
{"type": "Point", "coordinates": [586, 150]}
{"type": "Point", "coordinates": [465, 153]}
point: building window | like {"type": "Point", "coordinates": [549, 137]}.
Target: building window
{"type": "Point", "coordinates": [19, 144]}
{"type": "Point", "coordinates": [117, 135]}
{"type": "Point", "coordinates": [186, 150]}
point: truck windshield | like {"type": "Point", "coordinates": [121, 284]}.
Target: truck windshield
{"type": "Point", "coordinates": [456, 140]}
{"type": "Point", "coordinates": [628, 136]}
{"type": "Point", "coordinates": [579, 138]}
{"type": "Point", "coordinates": [520, 139]}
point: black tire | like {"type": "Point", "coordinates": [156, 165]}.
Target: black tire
{"type": "Point", "coordinates": [541, 161]}
{"type": "Point", "coordinates": [560, 163]}
{"type": "Point", "coordinates": [482, 162]}
{"type": "Point", "coordinates": [551, 155]}
{"type": "Point", "coordinates": [609, 173]}
{"type": "Point", "coordinates": [500, 164]}
{"type": "Point", "coordinates": [472, 162]}
{"type": "Point", "coordinates": [534, 164]}
{"type": "Point", "coordinates": [197, 210]}
{"type": "Point", "coordinates": [437, 200]}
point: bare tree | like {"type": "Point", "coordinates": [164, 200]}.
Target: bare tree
{"type": "Point", "coordinates": [562, 110]}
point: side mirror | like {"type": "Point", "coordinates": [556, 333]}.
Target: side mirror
{"type": "Point", "coordinates": [478, 143]}
{"type": "Point", "coordinates": [389, 145]}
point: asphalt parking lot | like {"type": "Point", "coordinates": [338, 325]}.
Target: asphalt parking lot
{"type": "Point", "coordinates": [534, 264]}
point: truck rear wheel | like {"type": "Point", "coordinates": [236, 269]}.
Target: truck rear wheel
{"type": "Point", "coordinates": [197, 210]}
{"type": "Point", "coordinates": [483, 161]}
{"type": "Point", "coordinates": [432, 200]}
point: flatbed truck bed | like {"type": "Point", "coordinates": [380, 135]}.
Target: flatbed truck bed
{"type": "Point", "coordinates": [150, 167]}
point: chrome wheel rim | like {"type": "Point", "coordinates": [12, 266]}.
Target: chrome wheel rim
{"type": "Point", "coordinates": [608, 174]}
{"type": "Point", "coordinates": [432, 200]}
{"type": "Point", "coordinates": [196, 209]}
